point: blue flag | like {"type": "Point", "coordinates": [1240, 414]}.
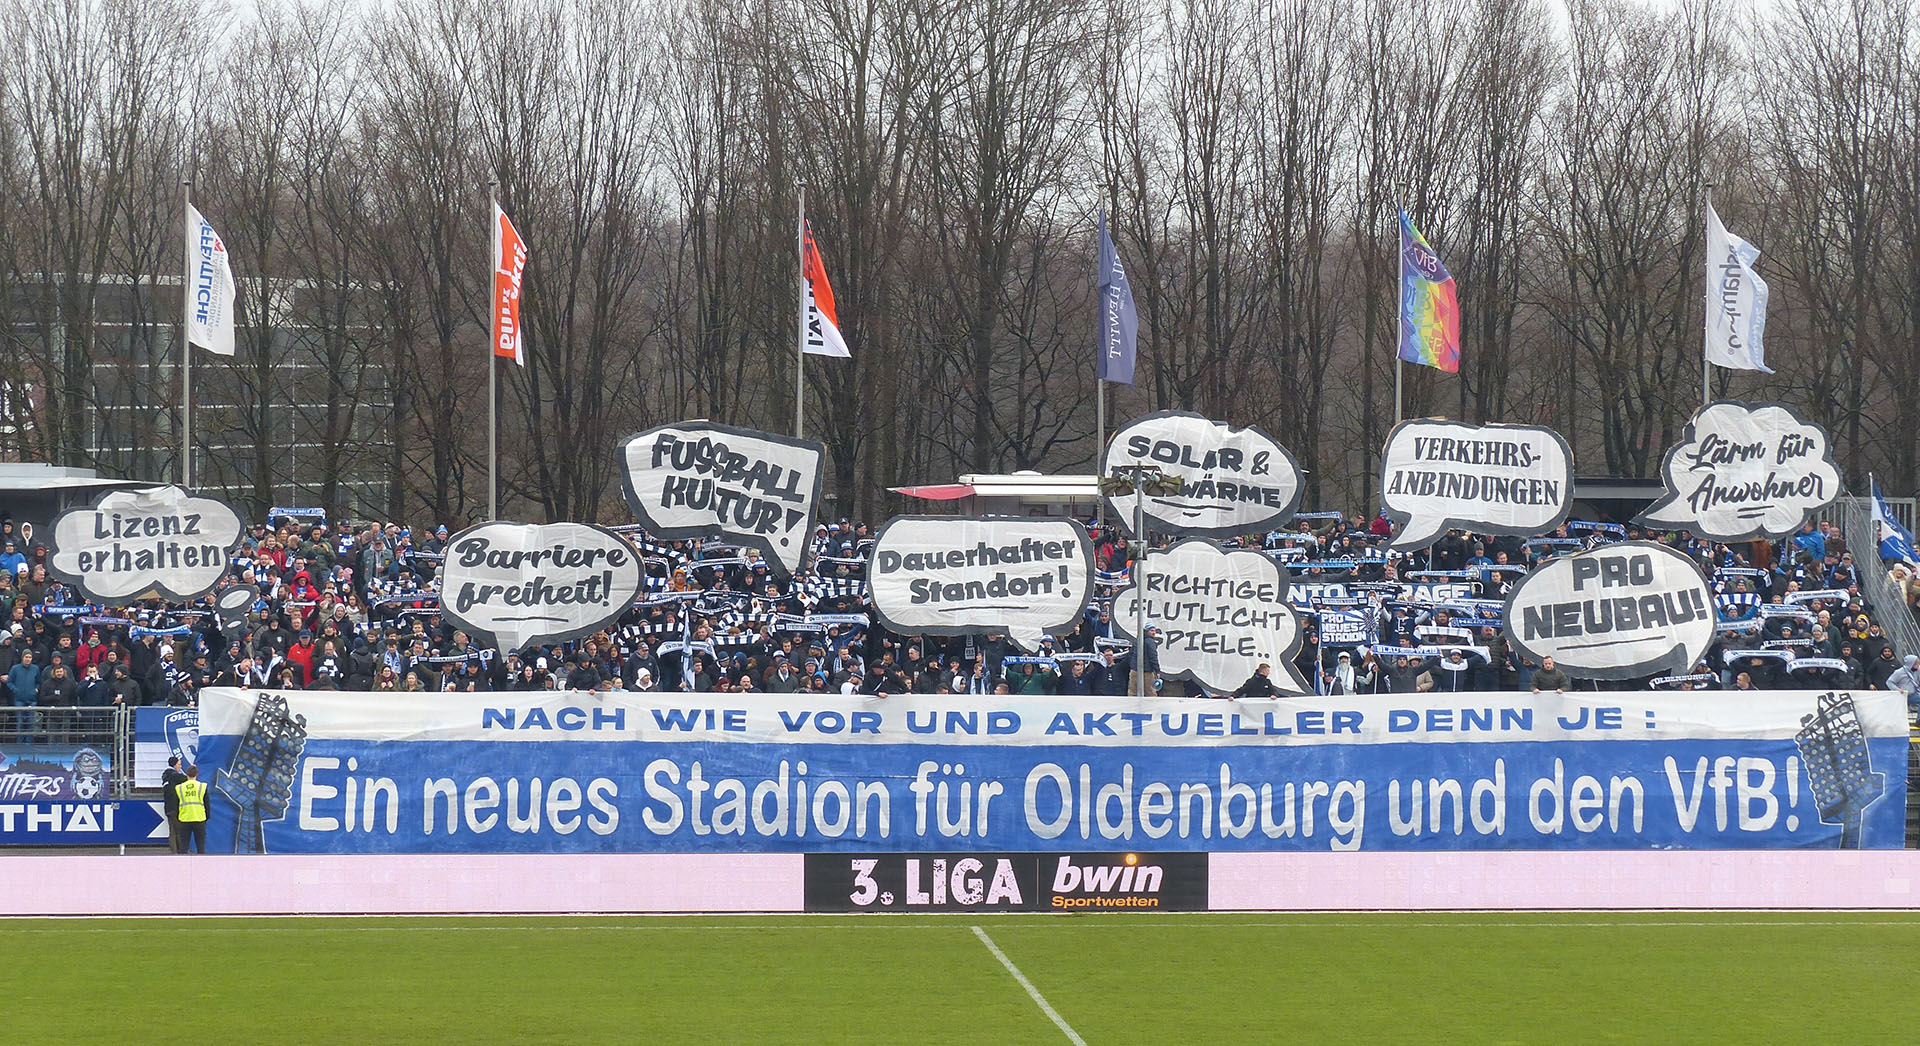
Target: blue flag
{"type": "Point", "coordinates": [1896, 541]}
{"type": "Point", "coordinates": [1119, 324]}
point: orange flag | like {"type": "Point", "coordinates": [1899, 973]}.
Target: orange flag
{"type": "Point", "coordinates": [509, 266]}
{"type": "Point", "coordinates": [823, 325]}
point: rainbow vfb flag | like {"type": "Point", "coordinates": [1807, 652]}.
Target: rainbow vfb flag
{"type": "Point", "coordinates": [1429, 306]}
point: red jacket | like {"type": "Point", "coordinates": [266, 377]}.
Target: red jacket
{"type": "Point", "coordinates": [301, 655]}
{"type": "Point", "coordinates": [87, 654]}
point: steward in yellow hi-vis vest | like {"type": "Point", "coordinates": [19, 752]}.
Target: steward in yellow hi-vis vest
{"type": "Point", "coordinates": [193, 812]}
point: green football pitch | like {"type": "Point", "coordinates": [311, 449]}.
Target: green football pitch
{"type": "Point", "coordinates": [1657, 977]}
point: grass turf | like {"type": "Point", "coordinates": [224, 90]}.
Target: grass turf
{"type": "Point", "coordinates": [1559, 978]}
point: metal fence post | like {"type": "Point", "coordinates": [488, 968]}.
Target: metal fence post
{"type": "Point", "coordinates": [122, 752]}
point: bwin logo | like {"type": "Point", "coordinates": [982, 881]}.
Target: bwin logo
{"type": "Point", "coordinates": [1128, 877]}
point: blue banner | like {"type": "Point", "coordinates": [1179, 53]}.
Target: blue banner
{"type": "Point", "coordinates": [578, 772]}
{"type": "Point", "coordinates": [82, 824]}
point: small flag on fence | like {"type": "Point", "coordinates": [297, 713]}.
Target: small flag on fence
{"type": "Point", "coordinates": [1896, 541]}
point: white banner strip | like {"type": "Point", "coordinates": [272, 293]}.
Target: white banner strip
{"type": "Point", "coordinates": [1026, 721]}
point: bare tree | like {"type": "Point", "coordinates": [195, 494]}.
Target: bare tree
{"type": "Point", "coordinates": [1830, 107]}
{"type": "Point", "coordinates": [1617, 210]}
{"type": "Point", "coordinates": [245, 180]}
{"type": "Point", "coordinates": [1253, 155]}
{"type": "Point", "coordinates": [1304, 103]}
{"type": "Point", "coordinates": [1895, 306]}
{"type": "Point", "coordinates": [1504, 91]}
{"type": "Point", "coordinates": [719, 281]}
{"type": "Point", "coordinates": [563, 93]}
{"type": "Point", "coordinates": [94, 85]}
{"type": "Point", "coordinates": [330, 307]}
{"type": "Point", "coordinates": [422, 134]}
{"type": "Point", "coordinates": [1400, 161]}
{"type": "Point", "coordinates": [1002, 137]}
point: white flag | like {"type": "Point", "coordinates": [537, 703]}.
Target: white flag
{"type": "Point", "coordinates": [1736, 300]}
{"type": "Point", "coordinates": [209, 287]}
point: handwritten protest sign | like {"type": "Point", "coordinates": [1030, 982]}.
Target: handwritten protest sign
{"type": "Point", "coordinates": [946, 576]}
{"type": "Point", "coordinates": [698, 479]}
{"type": "Point", "coordinates": [1491, 479]}
{"type": "Point", "coordinates": [517, 585]}
{"type": "Point", "coordinates": [1624, 610]}
{"type": "Point", "coordinates": [1746, 470]}
{"type": "Point", "coordinates": [1232, 481]}
{"type": "Point", "coordinates": [155, 541]}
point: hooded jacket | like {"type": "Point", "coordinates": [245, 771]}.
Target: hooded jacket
{"type": "Point", "coordinates": [1906, 678]}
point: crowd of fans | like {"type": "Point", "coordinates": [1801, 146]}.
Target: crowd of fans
{"type": "Point", "coordinates": [357, 609]}
{"type": "Point", "coordinates": [1791, 615]}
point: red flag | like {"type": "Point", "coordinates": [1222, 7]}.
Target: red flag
{"type": "Point", "coordinates": [509, 265]}
{"type": "Point", "coordinates": [823, 325]}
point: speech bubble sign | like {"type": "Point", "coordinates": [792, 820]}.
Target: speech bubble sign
{"type": "Point", "coordinates": [515, 585]}
{"type": "Point", "coordinates": [950, 577]}
{"type": "Point", "coordinates": [153, 541]}
{"type": "Point", "coordinates": [233, 605]}
{"type": "Point", "coordinates": [1233, 481]}
{"type": "Point", "coordinates": [697, 479]}
{"type": "Point", "coordinates": [1220, 614]}
{"type": "Point", "coordinates": [1625, 610]}
{"type": "Point", "coordinates": [1437, 476]}
{"type": "Point", "coordinates": [1746, 470]}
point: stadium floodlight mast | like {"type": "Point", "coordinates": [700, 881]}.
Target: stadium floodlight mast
{"type": "Point", "coordinates": [1149, 481]}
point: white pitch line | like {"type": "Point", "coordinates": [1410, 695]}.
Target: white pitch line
{"type": "Point", "coordinates": [1612, 925]}
{"type": "Point", "coordinates": [653, 924]}
{"type": "Point", "coordinates": [1032, 992]}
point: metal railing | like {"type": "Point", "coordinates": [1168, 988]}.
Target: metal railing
{"type": "Point", "coordinates": [122, 752]}
{"type": "Point", "coordinates": [1884, 599]}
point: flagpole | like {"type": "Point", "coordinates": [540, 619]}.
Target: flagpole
{"type": "Point", "coordinates": [186, 343]}
{"type": "Point", "coordinates": [1100, 448]}
{"type": "Point", "coordinates": [1873, 509]}
{"type": "Point", "coordinates": [1706, 365]}
{"type": "Point", "coordinates": [493, 360]}
{"type": "Point", "coordinates": [1706, 380]}
{"type": "Point", "coordinates": [800, 346]}
{"type": "Point", "coordinates": [1099, 388]}
{"type": "Point", "coordinates": [1400, 310]}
